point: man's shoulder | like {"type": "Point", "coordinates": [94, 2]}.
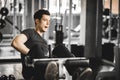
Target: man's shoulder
{"type": "Point", "coordinates": [29, 30]}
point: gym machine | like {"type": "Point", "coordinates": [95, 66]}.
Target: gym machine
{"type": "Point", "coordinates": [115, 73]}
{"type": "Point", "coordinates": [4, 11]}
{"type": "Point", "coordinates": [59, 34]}
{"type": "Point", "coordinates": [62, 62]}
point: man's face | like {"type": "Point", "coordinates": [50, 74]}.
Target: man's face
{"type": "Point", "coordinates": [44, 23]}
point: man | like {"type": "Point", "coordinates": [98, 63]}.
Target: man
{"type": "Point", "coordinates": [30, 43]}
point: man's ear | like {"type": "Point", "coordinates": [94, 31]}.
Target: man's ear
{"type": "Point", "coordinates": [36, 20]}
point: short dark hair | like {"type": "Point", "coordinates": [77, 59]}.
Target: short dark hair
{"type": "Point", "coordinates": [38, 14]}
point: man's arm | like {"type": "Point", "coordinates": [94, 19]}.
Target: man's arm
{"type": "Point", "coordinates": [18, 43]}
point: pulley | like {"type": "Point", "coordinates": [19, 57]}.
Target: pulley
{"type": "Point", "coordinates": [4, 11]}
{"type": "Point", "coordinates": [2, 23]}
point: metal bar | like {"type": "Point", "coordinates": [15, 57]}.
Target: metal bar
{"type": "Point", "coordinates": [69, 25]}
{"type": "Point", "coordinates": [14, 17]}
{"type": "Point", "coordinates": [110, 14]}
{"type": "Point", "coordinates": [117, 61]}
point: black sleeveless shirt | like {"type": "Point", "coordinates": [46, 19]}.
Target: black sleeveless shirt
{"type": "Point", "coordinates": [33, 39]}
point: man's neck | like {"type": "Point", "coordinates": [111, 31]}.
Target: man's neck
{"type": "Point", "coordinates": [38, 31]}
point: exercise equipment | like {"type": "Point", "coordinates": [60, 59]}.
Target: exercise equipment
{"type": "Point", "coordinates": [61, 51]}
{"type": "Point", "coordinates": [11, 77]}
{"type": "Point", "coordinates": [115, 73]}
{"type": "Point", "coordinates": [106, 11]}
{"type": "Point", "coordinates": [4, 11]}
{"type": "Point", "coordinates": [112, 30]}
{"type": "Point", "coordinates": [108, 49]}
{"type": "Point", "coordinates": [77, 50]}
{"type": "Point", "coordinates": [1, 36]}
{"type": "Point", "coordinates": [74, 61]}
{"type": "Point", "coordinates": [109, 31]}
{"type": "Point", "coordinates": [2, 23]}
{"type": "Point", "coordinates": [11, 23]}
{"type": "Point", "coordinates": [4, 77]}
{"type": "Point", "coordinates": [59, 34]}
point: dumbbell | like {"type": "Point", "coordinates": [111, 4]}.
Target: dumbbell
{"type": "Point", "coordinates": [3, 77]}
{"type": "Point", "coordinates": [11, 77]}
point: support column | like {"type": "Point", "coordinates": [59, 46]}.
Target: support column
{"type": "Point", "coordinates": [117, 54]}
{"type": "Point", "coordinates": [90, 36]}
{"type": "Point", "coordinates": [93, 32]}
{"type": "Point", "coordinates": [99, 28]}
{"type": "Point", "coordinates": [91, 24]}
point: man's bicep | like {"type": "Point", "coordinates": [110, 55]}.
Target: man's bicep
{"type": "Point", "coordinates": [18, 43]}
{"type": "Point", "coordinates": [22, 38]}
